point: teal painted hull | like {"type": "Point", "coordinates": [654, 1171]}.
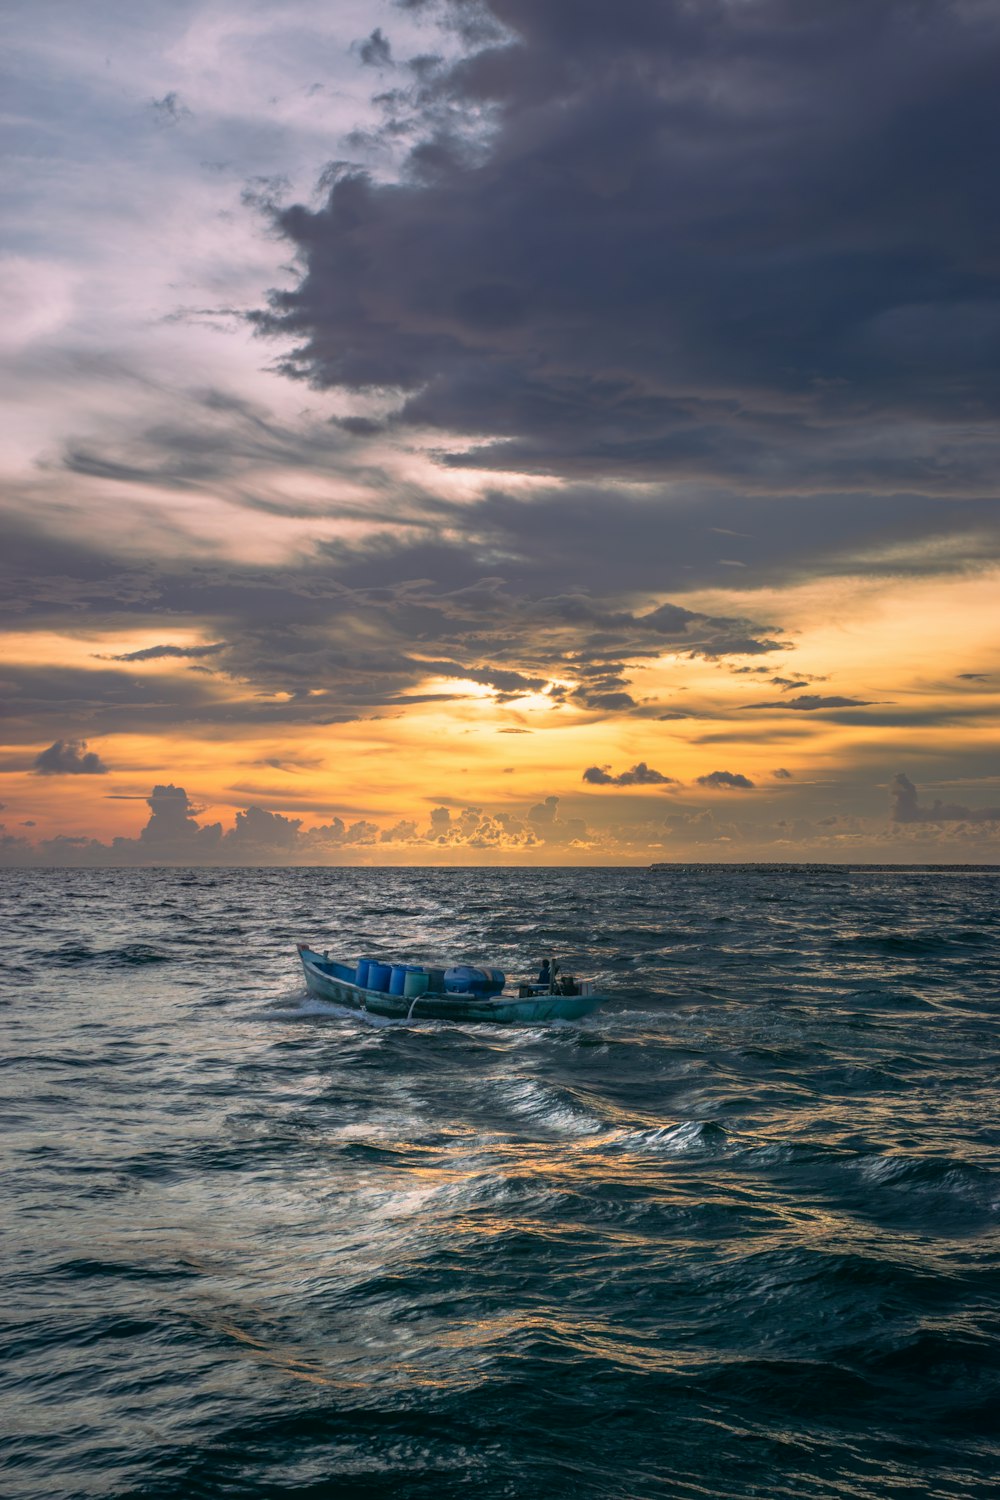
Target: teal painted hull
{"type": "Point", "coordinates": [334, 982]}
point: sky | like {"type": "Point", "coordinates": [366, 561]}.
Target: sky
{"type": "Point", "coordinates": [500, 431]}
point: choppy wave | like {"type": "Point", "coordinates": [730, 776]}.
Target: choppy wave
{"type": "Point", "coordinates": [735, 1235]}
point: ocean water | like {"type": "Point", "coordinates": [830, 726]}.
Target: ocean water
{"type": "Point", "coordinates": [734, 1235]}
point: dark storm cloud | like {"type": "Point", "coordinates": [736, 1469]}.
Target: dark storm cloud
{"type": "Point", "coordinates": [727, 780]}
{"type": "Point", "coordinates": [639, 775]}
{"type": "Point", "coordinates": [904, 807]}
{"type": "Point", "coordinates": [737, 243]}
{"type": "Point", "coordinates": [69, 758]}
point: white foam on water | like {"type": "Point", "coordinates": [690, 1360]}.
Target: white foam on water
{"type": "Point", "coordinates": [688, 1135]}
{"type": "Point", "coordinates": [549, 1108]}
{"type": "Point", "coordinates": [310, 1006]}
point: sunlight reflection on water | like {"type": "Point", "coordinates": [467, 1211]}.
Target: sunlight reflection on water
{"type": "Point", "coordinates": [735, 1234]}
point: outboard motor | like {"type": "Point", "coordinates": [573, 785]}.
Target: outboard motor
{"type": "Point", "coordinates": [462, 979]}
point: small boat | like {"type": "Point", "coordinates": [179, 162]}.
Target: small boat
{"type": "Point", "coordinates": [414, 993]}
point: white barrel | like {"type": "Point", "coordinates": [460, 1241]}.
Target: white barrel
{"type": "Point", "coordinates": [416, 983]}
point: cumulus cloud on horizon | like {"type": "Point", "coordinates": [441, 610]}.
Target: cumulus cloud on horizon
{"type": "Point", "coordinates": [173, 835]}
{"type": "Point", "coordinates": [905, 807]}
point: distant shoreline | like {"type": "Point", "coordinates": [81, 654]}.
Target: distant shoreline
{"type": "Point", "coordinates": [854, 866]}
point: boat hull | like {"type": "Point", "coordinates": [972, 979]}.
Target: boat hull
{"type": "Point", "coordinates": [330, 981]}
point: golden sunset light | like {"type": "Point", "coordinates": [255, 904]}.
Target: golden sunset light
{"type": "Point", "coordinates": [338, 494]}
{"type": "Point", "coordinates": [500, 757]}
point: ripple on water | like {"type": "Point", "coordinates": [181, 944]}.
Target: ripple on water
{"type": "Point", "coordinates": [735, 1235]}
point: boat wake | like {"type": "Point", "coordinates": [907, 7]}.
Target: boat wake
{"type": "Point", "coordinates": [307, 1007]}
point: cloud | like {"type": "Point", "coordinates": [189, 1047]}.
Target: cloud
{"type": "Point", "coordinates": [781, 774]}
{"type": "Point", "coordinates": [551, 828]}
{"type": "Point", "coordinates": [810, 702]}
{"type": "Point", "coordinates": [170, 110]}
{"type": "Point", "coordinates": [375, 51]}
{"type": "Point", "coordinates": [731, 780]}
{"type": "Point", "coordinates": [173, 835]}
{"type": "Point", "coordinates": [337, 834]}
{"type": "Point", "coordinates": [404, 832]}
{"type": "Point", "coordinates": [507, 682]}
{"type": "Point", "coordinates": [817, 302]}
{"type": "Point", "coordinates": [349, 629]}
{"type": "Point", "coordinates": [476, 829]}
{"type": "Point", "coordinates": [158, 653]}
{"type": "Point", "coordinates": [904, 807]}
{"type": "Point", "coordinates": [69, 758]}
{"type": "Point", "coordinates": [257, 829]}
{"type": "Point", "coordinates": [173, 828]}
{"type": "Point", "coordinates": [639, 775]}
{"type": "Point", "coordinates": [696, 827]}
{"type": "Point", "coordinates": [656, 260]}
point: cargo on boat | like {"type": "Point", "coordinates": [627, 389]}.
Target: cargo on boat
{"type": "Point", "coordinates": [460, 993]}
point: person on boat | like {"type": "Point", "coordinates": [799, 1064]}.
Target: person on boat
{"type": "Point", "coordinates": [547, 972]}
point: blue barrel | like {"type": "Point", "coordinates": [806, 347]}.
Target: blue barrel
{"type": "Point", "coordinates": [379, 976]}
{"type": "Point", "coordinates": [463, 979]}
{"type": "Point", "coordinates": [361, 976]}
{"type": "Point", "coordinates": [397, 984]}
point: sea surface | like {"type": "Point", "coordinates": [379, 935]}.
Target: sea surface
{"type": "Point", "coordinates": [734, 1235]}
